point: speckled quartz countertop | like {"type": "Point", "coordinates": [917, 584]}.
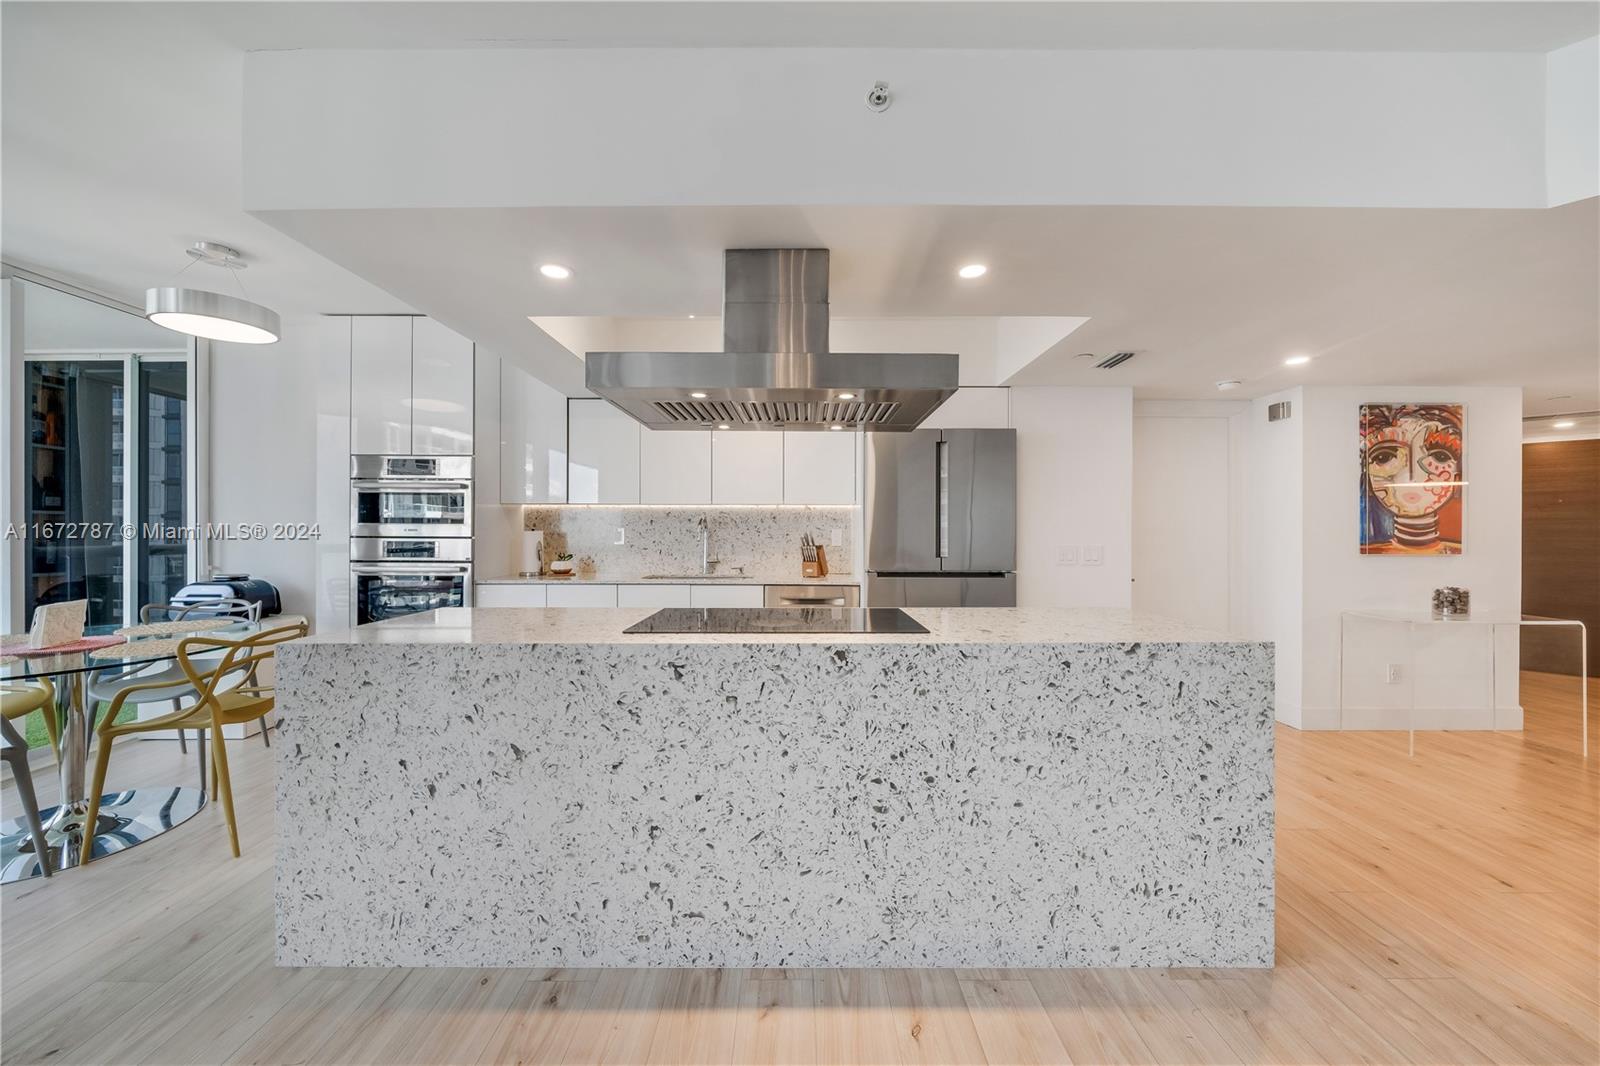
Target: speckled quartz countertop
{"type": "Point", "coordinates": [671, 579]}
{"type": "Point", "coordinates": [602, 625]}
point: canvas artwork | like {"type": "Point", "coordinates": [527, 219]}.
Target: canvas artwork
{"type": "Point", "coordinates": [1412, 476]}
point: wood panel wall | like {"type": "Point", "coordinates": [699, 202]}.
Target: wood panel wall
{"type": "Point", "coordinates": [1561, 550]}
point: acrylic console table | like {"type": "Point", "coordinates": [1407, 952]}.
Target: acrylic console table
{"type": "Point", "coordinates": [1493, 620]}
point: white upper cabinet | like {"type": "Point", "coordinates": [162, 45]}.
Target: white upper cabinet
{"type": "Point", "coordinates": [819, 468]}
{"type": "Point", "coordinates": [441, 390]}
{"type": "Point", "coordinates": [603, 454]}
{"type": "Point", "coordinates": [675, 466]}
{"type": "Point", "coordinates": [746, 467]}
{"type": "Point", "coordinates": [533, 439]}
{"type": "Point", "coordinates": [980, 407]}
{"type": "Point", "coordinates": [380, 385]}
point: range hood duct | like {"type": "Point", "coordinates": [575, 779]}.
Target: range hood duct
{"type": "Point", "coordinates": [775, 371]}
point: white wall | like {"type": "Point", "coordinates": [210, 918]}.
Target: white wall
{"type": "Point", "coordinates": [1572, 122]}
{"type": "Point", "coordinates": [1074, 487]}
{"type": "Point", "coordinates": [1337, 576]}
{"type": "Point", "coordinates": [329, 129]}
{"type": "Point", "coordinates": [1305, 566]}
{"type": "Point", "coordinates": [263, 456]}
{"type": "Point", "coordinates": [1275, 542]}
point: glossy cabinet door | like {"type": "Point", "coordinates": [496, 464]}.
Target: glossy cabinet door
{"type": "Point", "coordinates": [441, 390]}
{"type": "Point", "coordinates": [581, 595]}
{"type": "Point", "coordinates": [727, 595]}
{"type": "Point", "coordinates": [674, 466]}
{"type": "Point", "coordinates": [603, 454]}
{"type": "Point", "coordinates": [746, 467]}
{"type": "Point", "coordinates": [533, 439]}
{"type": "Point", "coordinates": [819, 468]}
{"type": "Point", "coordinates": [653, 596]}
{"type": "Point", "coordinates": [380, 385]}
{"type": "Point", "coordinates": [508, 595]}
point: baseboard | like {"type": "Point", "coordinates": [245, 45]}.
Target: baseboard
{"type": "Point", "coordinates": [1387, 719]}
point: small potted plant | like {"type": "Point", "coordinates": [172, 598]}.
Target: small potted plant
{"type": "Point", "coordinates": [561, 565]}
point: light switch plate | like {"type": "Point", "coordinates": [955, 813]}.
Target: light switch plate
{"type": "Point", "coordinates": [1093, 554]}
{"type": "Point", "coordinates": [1067, 556]}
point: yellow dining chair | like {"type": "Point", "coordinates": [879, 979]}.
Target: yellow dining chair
{"type": "Point", "coordinates": [216, 706]}
{"type": "Point", "coordinates": [20, 699]}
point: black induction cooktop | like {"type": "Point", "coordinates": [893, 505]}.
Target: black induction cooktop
{"type": "Point", "coordinates": [778, 620]}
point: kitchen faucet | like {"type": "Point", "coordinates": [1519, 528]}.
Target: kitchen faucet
{"type": "Point", "coordinates": [706, 562]}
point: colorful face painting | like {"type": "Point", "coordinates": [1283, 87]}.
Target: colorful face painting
{"type": "Point", "coordinates": [1411, 479]}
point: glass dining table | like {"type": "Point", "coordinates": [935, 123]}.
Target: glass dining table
{"type": "Point", "coordinates": [126, 818]}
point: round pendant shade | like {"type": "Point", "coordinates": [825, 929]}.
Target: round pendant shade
{"type": "Point", "coordinates": [211, 315]}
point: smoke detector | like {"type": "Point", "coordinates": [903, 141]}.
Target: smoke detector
{"type": "Point", "coordinates": [1228, 385]}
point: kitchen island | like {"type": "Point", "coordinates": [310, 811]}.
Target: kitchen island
{"type": "Point", "coordinates": [1015, 787]}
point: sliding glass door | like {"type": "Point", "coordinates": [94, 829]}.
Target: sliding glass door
{"type": "Point", "coordinates": [108, 506]}
{"type": "Point", "coordinates": [99, 439]}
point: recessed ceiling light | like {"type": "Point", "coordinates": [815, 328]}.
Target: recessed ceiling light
{"type": "Point", "coordinates": [847, 396]}
{"type": "Point", "coordinates": [556, 271]}
{"type": "Point", "coordinates": [1230, 383]}
{"type": "Point", "coordinates": [724, 426]}
{"type": "Point", "coordinates": [835, 427]}
{"type": "Point", "coordinates": [973, 270]}
{"type": "Point", "coordinates": [1297, 360]}
{"type": "Point", "coordinates": [697, 395]}
{"type": "Point", "coordinates": [691, 316]}
{"type": "Point", "coordinates": [1564, 424]}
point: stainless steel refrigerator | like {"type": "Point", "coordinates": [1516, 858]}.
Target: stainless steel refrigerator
{"type": "Point", "coordinates": [942, 518]}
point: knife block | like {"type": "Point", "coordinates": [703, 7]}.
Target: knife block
{"type": "Point", "coordinates": [815, 569]}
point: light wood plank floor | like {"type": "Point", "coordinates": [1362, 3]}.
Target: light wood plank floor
{"type": "Point", "coordinates": [1441, 909]}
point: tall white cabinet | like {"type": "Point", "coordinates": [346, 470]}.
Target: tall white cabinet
{"type": "Point", "coordinates": [410, 387]}
{"type": "Point", "coordinates": [441, 390]}
{"type": "Point", "coordinates": [533, 439]}
{"type": "Point", "coordinates": [380, 385]}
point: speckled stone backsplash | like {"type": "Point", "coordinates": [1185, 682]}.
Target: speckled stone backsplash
{"type": "Point", "coordinates": [666, 540]}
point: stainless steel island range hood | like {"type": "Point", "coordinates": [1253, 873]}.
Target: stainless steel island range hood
{"type": "Point", "coordinates": [775, 371]}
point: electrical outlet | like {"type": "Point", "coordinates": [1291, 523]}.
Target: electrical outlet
{"type": "Point", "coordinates": [621, 537]}
{"type": "Point", "coordinates": [835, 538]}
{"type": "Point", "coordinates": [1067, 556]}
{"type": "Point", "coordinates": [1093, 554]}
{"type": "Point", "coordinates": [1392, 675]}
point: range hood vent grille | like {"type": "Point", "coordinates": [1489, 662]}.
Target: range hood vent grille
{"type": "Point", "coordinates": [775, 414]}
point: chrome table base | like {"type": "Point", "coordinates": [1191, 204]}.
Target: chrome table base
{"type": "Point", "coordinates": [126, 819]}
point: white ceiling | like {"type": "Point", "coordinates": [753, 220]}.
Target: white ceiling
{"type": "Point", "coordinates": [122, 143]}
{"type": "Point", "coordinates": [1428, 26]}
{"type": "Point", "coordinates": [1464, 297]}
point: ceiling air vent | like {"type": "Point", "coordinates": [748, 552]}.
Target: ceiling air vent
{"type": "Point", "coordinates": [1114, 360]}
{"type": "Point", "coordinates": [1278, 412]}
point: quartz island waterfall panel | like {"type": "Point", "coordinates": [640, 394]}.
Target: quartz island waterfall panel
{"type": "Point", "coordinates": [480, 799]}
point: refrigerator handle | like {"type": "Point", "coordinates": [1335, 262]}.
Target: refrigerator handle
{"type": "Point", "coordinates": [942, 466]}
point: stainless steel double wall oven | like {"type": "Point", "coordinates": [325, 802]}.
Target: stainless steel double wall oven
{"type": "Point", "coordinates": [410, 534]}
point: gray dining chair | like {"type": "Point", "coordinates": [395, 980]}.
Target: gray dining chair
{"type": "Point", "coordinates": [105, 684]}
{"type": "Point", "coordinates": [15, 752]}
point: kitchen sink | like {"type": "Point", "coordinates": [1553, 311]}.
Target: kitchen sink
{"type": "Point", "coordinates": [694, 579]}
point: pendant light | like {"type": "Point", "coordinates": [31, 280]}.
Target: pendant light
{"type": "Point", "coordinates": [212, 315]}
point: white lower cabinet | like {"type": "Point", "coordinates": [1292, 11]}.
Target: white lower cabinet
{"type": "Point", "coordinates": [727, 595]}
{"type": "Point", "coordinates": [653, 596]}
{"type": "Point", "coordinates": [508, 596]}
{"type": "Point", "coordinates": [581, 595]}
